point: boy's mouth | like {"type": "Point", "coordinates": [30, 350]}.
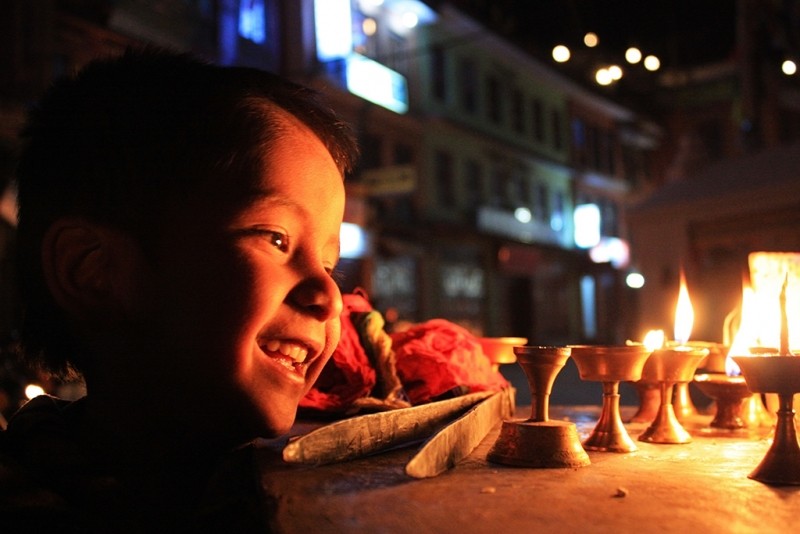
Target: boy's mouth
{"type": "Point", "coordinates": [291, 355]}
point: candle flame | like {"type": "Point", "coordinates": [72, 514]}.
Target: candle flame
{"type": "Point", "coordinates": [784, 331]}
{"type": "Point", "coordinates": [747, 335]}
{"type": "Point", "coordinates": [757, 327]}
{"type": "Point", "coordinates": [684, 314]}
{"type": "Point", "coordinates": [654, 339]}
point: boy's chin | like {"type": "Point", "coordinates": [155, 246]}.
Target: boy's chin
{"type": "Point", "coordinates": [277, 425]}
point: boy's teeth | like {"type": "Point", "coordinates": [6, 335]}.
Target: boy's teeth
{"type": "Point", "coordinates": [290, 350]}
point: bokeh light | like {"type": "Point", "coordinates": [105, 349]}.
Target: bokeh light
{"type": "Point", "coordinates": [633, 55]}
{"type": "Point", "coordinates": [33, 391]}
{"type": "Point", "coordinates": [652, 63]}
{"type": "Point", "coordinates": [561, 53]}
{"type": "Point", "coordinates": [603, 77]}
{"type": "Point", "coordinates": [634, 280]}
{"type": "Point", "coordinates": [369, 26]}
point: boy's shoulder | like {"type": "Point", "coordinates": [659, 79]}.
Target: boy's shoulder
{"type": "Point", "coordinates": [47, 483]}
{"type": "Point", "coordinates": [26, 504]}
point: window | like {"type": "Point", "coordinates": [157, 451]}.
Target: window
{"type": "Point", "coordinates": [558, 137]}
{"type": "Point", "coordinates": [592, 147]}
{"type": "Point", "coordinates": [371, 151]}
{"type": "Point", "coordinates": [557, 216]}
{"type": "Point", "coordinates": [605, 153]}
{"type": "Point", "coordinates": [578, 134]}
{"type": "Point", "coordinates": [473, 184]}
{"type": "Point", "coordinates": [500, 180]}
{"type": "Point", "coordinates": [403, 154]}
{"type": "Point", "coordinates": [397, 58]}
{"type": "Point", "coordinates": [445, 189]}
{"type": "Point", "coordinates": [467, 80]}
{"type": "Point", "coordinates": [711, 134]}
{"type": "Point", "coordinates": [612, 160]}
{"type": "Point", "coordinates": [537, 119]}
{"type": "Point", "coordinates": [494, 100]}
{"type": "Point", "coordinates": [365, 35]}
{"type": "Point", "coordinates": [541, 203]}
{"type": "Point", "coordinates": [252, 20]}
{"type": "Point", "coordinates": [438, 72]}
{"type": "Point", "coordinates": [608, 219]}
{"type": "Point", "coordinates": [517, 193]}
{"type": "Point", "coordinates": [517, 111]}
{"type": "Point", "coordinates": [588, 306]}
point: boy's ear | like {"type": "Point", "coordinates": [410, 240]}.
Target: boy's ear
{"type": "Point", "coordinates": [77, 260]}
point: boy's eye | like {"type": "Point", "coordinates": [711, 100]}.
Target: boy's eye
{"type": "Point", "coordinates": [277, 239]}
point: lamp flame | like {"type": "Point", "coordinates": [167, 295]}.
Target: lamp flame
{"type": "Point", "coordinates": [654, 339]}
{"type": "Point", "coordinates": [684, 314]}
{"type": "Point", "coordinates": [747, 335]}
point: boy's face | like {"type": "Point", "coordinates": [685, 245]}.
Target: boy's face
{"type": "Point", "coordinates": [243, 298]}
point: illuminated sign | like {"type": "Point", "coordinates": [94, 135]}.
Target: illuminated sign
{"type": "Point", "coordinates": [611, 250]}
{"type": "Point", "coordinates": [353, 241]}
{"type": "Point", "coordinates": [587, 225]}
{"type": "Point", "coordinates": [389, 180]}
{"type": "Point", "coordinates": [378, 84]}
{"type": "Point", "coordinates": [333, 23]}
{"type": "Point", "coordinates": [463, 281]}
{"type": "Point", "coordinates": [503, 222]}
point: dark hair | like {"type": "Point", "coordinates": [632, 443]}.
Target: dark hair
{"type": "Point", "coordinates": [127, 137]}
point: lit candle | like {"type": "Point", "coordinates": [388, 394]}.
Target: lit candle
{"type": "Point", "coordinates": [684, 314]}
{"type": "Point", "coordinates": [784, 319]}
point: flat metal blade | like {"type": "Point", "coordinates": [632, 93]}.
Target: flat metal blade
{"type": "Point", "coordinates": [457, 440]}
{"type": "Point", "coordinates": [371, 433]}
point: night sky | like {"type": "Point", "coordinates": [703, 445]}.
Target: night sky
{"type": "Point", "coordinates": [682, 33]}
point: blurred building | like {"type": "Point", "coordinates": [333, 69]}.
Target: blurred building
{"type": "Point", "coordinates": [492, 190]}
{"type": "Point", "coordinates": [727, 182]}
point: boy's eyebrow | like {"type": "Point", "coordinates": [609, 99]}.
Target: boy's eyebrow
{"type": "Point", "coordinates": [260, 193]}
{"type": "Point", "coordinates": [271, 196]}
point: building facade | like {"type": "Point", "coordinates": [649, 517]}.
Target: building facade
{"type": "Point", "coordinates": [477, 159]}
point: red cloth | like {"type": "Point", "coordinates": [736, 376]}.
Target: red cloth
{"type": "Point", "coordinates": [438, 356]}
{"type": "Point", "coordinates": [348, 375]}
{"type": "Point", "coordinates": [432, 359]}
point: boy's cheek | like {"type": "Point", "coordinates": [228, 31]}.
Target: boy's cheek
{"type": "Point", "coordinates": [334, 333]}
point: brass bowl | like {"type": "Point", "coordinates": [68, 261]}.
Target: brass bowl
{"type": "Point", "coordinates": [542, 355]}
{"type": "Point", "coordinates": [500, 350]}
{"type": "Point", "coordinates": [674, 364]}
{"type": "Point", "coordinates": [604, 363]}
{"type": "Point", "coordinates": [771, 374]}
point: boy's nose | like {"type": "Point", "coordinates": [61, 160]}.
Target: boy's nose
{"type": "Point", "coordinates": [319, 296]}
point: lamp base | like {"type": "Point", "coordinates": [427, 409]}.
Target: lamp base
{"type": "Point", "coordinates": [545, 444]}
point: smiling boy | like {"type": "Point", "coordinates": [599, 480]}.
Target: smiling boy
{"type": "Point", "coordinates": [178, 231]}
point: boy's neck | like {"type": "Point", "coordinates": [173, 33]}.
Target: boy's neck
{"type": "Point", "coordinates": [158, 453]}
